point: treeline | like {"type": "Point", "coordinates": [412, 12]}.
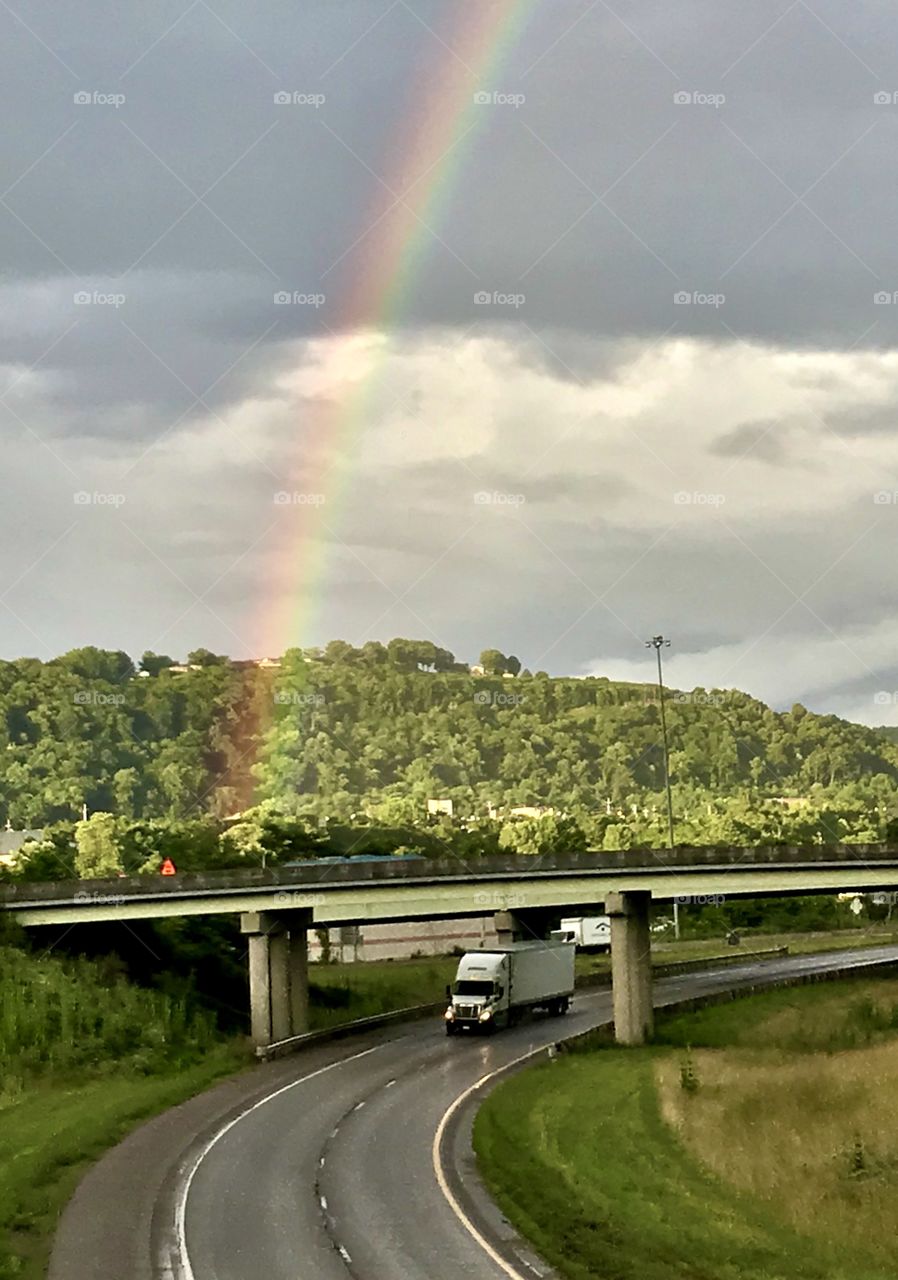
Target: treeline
{"type": "Point", "coordinates": [158, 738]}
{"type": "Point", "coordinates": [86, 729]}
{"type": "Point", "coordinates": [347, 735]}
{"type": "Point", "coordinates": [365, 737]}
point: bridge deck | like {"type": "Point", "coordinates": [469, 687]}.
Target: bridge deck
{"type": "Point", "coordinates": [417, 889]}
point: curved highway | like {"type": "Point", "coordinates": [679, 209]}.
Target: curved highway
{"type": "Point", "coordinates": [352, 1160]}
{"type": "Point", "coordinates": [335, 1173]}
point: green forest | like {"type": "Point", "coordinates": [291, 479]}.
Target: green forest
{"type": "Point", "coordinates": [214, 762]}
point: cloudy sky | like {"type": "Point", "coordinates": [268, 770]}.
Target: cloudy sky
{"type": "Point", "coordinates": [589, 333]}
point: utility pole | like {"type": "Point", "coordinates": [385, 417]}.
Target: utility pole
{"type": "Point", "coordinates": [658, 643]}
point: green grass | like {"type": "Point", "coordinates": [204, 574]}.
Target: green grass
{"type": "Point", "coordinates": [757, 1142]}
{"type": "Point", "coordinates": [798, 943]}
{"type": "Point", "coordinates": [61, 1016]}
{"type": "Point", "coordinates": [341, 993]}
{"type": "Point", "coordinates": [797, 1106]}
{"type": "Point", "coordinates": [827, 1018]}
{"type": "Point", "coordinates": [84, 1056]}
{"type": "Point", "coordinates": [51, 1135]}
{"type": "Point", "coordinates": [579, 1159]}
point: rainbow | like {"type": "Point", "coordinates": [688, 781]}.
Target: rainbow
{"type": "Point", "coordinates": [444, 121]}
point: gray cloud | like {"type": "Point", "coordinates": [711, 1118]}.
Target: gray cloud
{"type": "Point", "coordinates": [763, 441]}
{"type": "Point", "coordinates": [684, 365]}
{"type": "Point", "coordinates": [672, 196]}
{"type": "Point", "coordinates": [865, 421]}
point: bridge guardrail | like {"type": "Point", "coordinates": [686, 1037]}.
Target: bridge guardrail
{"type": "Point", "coordinates": [282, 1047]}
{"type": "Point", "coordinates": [335, 875]}
{"type": "Point", "coordinates": [670, 968]}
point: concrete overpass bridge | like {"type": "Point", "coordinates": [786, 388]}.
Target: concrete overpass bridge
{"type": "Point", "coordinates": [278, 906]}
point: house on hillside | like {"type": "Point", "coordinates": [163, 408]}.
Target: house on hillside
{"type": "Point", "coordinates": [446, 807]}
{"type": "Point", "coordinates": [522, 811]}
{"type": "Point", "coordinates": [11, 843]}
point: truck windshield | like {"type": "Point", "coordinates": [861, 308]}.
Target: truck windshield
{"type": "Point", "coordinates": [473, 987]}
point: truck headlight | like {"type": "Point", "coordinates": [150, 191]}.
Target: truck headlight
{"type": "Point", "coordinates": [449, 1015]}
{"type": "Point", "coordinates": [485, 1016]}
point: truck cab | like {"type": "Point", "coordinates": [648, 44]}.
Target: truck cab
{"type": "Point", "coordinates": [479, 995]}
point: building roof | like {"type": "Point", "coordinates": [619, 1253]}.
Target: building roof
{"type": "Point", "coordinates": [12, 841]}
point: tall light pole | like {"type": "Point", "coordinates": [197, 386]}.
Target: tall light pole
{"type": "Point", "coordinates": [658, 643]}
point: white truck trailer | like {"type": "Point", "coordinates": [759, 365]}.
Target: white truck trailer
{"type": "Point", "coordinates": [588, 933]}
{"type": "Point", "coordinates": [494, 988]}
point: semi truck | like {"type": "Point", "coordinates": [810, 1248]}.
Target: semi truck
{"type": "Point", "coordinates": [495, 988]}
{"type": "Point", "coordinates": [588, 933]}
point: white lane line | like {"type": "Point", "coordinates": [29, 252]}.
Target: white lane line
{"type": "Point", "coordinates": [344, 1253]}
{"type": "Point", "coordinates": [187, 1271]}
{"type": "Point", "coordinates": [389, 1084]}
{"type": "Point", "coordinates": [441, 1174]}
{"type": "Point", "coordinates": [322, 1200]}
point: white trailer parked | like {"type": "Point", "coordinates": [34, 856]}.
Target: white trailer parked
{"type": "Point", "coordinates": [494, 988]}
{"type": "Point", "coordinates": [588, 933]}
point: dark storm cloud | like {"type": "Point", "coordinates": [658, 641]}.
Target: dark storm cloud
{"type": "Point", "coordinates": [599, 196]}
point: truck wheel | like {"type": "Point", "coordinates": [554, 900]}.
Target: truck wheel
{"type": "Point", "coordinates": [564, 1005]}
{"type": "Point", "coordinates": [450, 1029]}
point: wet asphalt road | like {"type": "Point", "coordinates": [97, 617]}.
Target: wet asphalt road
{"type": "Point", "coordinates": [332, 1175]}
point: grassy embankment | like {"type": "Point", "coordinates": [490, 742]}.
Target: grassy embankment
{"type": "Point", "coordinates": [881, 935]}
{"type": "Point", "coordinates": [759, 1141]}
{"type": "Point", "coordinates": [84, 1056]}
{"type": "Point", "coordinates": [342, 992]}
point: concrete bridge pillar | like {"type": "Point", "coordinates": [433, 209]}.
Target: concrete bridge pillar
{"type": "Point", "coordinates": [278, 974]}
{"type": "Point", "coordinates": [631, 965]}
{"type": "Point", "coordinates": [523, 924]}
{"type": "Point", "coordinates": [299, 972]}
{"type": "Point", "coordinates": [506, 926]}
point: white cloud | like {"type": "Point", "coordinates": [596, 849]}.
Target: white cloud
{"type": "Point", "coordinates": [775, 589]}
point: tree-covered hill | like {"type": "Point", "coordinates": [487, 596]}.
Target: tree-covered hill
{"type": "Point", "coordinates": [344, 731]}
{"type": "Point", "coordinates": [88, 729]}
{"type": "Point", "coordinates": [348, 731]}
